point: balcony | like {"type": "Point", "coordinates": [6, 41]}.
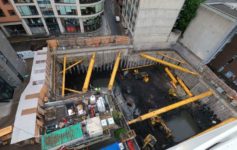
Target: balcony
{"type": "Point", "coordinates": [88, 1]}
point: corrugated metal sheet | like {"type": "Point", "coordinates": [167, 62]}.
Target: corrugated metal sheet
{"type": "Point", "coordinates": [61, 137]}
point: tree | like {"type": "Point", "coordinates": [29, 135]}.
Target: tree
{"type": "Point", "coordinates": [187, 14]}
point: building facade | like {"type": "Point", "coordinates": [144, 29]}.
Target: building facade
{"type": "Point", "coordinates": [13, 68]}
{"type": "Point", "coordinates": [150, 22]}
{"type": "Point", "coordinates": [10, 23]}
{"type": "Point", "coordinates": [49, 17]}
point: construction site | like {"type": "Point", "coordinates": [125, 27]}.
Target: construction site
{"type": "Point", "coordinates": [99, 93]}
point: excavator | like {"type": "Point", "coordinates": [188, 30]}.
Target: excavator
{"type": "Point", "coordinates": [149, 142]}
{"type": "Point", "coordinates": [141, 75]}
{"type": "Point", "coordinates": [158, 120]}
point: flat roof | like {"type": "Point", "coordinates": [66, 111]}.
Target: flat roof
{"type": "Point", "coordinates": [61, 137]}
{"type": "Point", "coordinates": [25, 120]}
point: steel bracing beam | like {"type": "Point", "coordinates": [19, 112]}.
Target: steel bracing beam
{"type": "Point", "coordinates": [114, 72]}
{"type": "Point", "coordinates": [184, 86]}
{"type": "Point", "coordinates": [69, 67]}
{"type": "Point", "coordinates": [64, 74]}
{"type": "Point", "coordinates": [167, 64]}
{"type": "Point", "coordinates": [89, 72]}
{"type": "Point", "coordinates": [171, 107]}
{"type": "Point", "coordinates": [171, 75]}
{"type": "Point", "coordinates": [143, 66]}
{"type": "Point", "coordinates": [169, 57]}
{"type": "Point", "coordinates": [74, 91]}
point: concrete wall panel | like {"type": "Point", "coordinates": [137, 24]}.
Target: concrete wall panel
{"type": "Point", "coordinates": [206, 31]}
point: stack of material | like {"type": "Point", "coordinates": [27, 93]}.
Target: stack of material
{"type": "Point", "coordinates": [94, 127]}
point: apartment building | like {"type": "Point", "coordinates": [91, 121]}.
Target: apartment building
{"type": "Point", "coordinates": [10, 23]}
{"type": "Point", "coordinates": [150, 22]}
{"type": "Point", "coordinates": [49, 17]}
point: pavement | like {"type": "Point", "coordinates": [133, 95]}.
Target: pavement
{"type": "Point", "coordinates": [109, 13]}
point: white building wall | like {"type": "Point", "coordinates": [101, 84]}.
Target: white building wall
{"type": "Point", "coordinates": [207, 32]}
{"type": "Point", "coordinates": [155, 20]}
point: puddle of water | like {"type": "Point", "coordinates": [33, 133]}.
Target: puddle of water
{"type": "Point", "coordinates": [182, 126]}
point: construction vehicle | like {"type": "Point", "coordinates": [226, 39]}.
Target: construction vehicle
{"type": "Point", "coordinates": [149, 142]}
{"type": "Point", "coordinates": [141, 75]}
{"type": "Point", "coordinates": [158, 120]}
{"type": "Point", "coordinates": [172, 92]}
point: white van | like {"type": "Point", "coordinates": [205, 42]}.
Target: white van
{"type": "Point", "coordinates": [27, 54]}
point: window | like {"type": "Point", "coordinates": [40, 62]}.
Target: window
{"type": "Point", "coordinates": [66, 1]}
{"type": "Point", "coordinates": [67, 10]}
{"type": "Point", "coordinates": [40, 71]}
{"type": "Point", "coordinates": [11, 12]}
{"type": "Point", "coordinates": [23, 1]}
{"type": "Point", "coordinates": [229, 74]}
{"type": "Point", "coordinates": [5, 2]}
{"type": "Point", "coordinates": [38, 82]}
{"type": "Point", "coordinates": [40, 61]}
{"type": "Point", "coordinates": [27, 10]}
{"type": "Point", "coordinates": [2, 13]}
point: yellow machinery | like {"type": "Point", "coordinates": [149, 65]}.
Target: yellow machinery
{"type": "Point", "coordinates": [158, 120]}
{"type": "Point", "coordinates": [172, 92]}
{"type": "Point", "coordinates": [185, 88]}
{"type": "Point", "coordinates": [171, 107]}
{"type": "Point", "coordinates": [64, 74]}
{"type": "Point", "coordinates": [167, 64]}
{"type": "Point", "coordinates": [150, 140]}
{"type": "Point", "coordinates": [114, 72]}
{"type": "Point", "coordinates": [141, 75]}
{"type": "Point", "coordinates": [89, 72]}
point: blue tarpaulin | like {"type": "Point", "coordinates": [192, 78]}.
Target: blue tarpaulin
{"type": "Point", "coordinates": [114, 146]}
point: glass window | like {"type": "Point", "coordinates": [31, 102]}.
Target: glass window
{"type": "Point", "coordinates": [88, 1]}
{"type": "Point", "coordinates": [6, 91]}
{"type": "Point", "coordinates": [27, 10]}
{"type": "Point", "coordinates": [90, 10]}
{"type": "Point", "coordinates": [23, 1]}
{"type": "Point", "coordinates": [71, 25]}
{"type": "Point", "coordinates": [11, 12]}
{"type": "Point", "coordinates": [5, 2]}
{"type": "Point", "coordinates": [2, 13]}
{"type": "Point", "coordinates": [66, 1]}
{"type": "Point", "coordinates": [45, 7]}
{"type": "Point", "coordinates": [92, 23]}
{"type": "Point", "coordinates": [67, 10]}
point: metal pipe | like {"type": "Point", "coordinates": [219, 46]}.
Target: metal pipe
{"type": "Point", "coordinates": [64, 73]}
{"type": "Point", "coordinates": [114, 72]}
{"type": "Point", "coordinates": [74, 91]}
{"type": "Point", "coordinates": [171, 107]}
{"type": "Point", "coordinates": [167, 64]}
{"type": "Point", "coordinates": [167, 56]}
{"type": "Point", "coordinates": [172, 77]}
{"type": "Point", "coordinates": [184, 86]}
{"type": "Point", "coordinates": [69, 67]}
{"type": "Point", "coordinates": [143, 66]}
{"type": "Point", "coordinates": [89, 72]}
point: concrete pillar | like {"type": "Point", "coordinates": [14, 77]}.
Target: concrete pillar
{"type": "Point", "coordinates": [26, 27]}
{"type": "Point", "coordinates": [5, 31]}
{"type": "Point", "coordinates": [45, 25]}
{"type": "Point", "coordinates": [79, 15]}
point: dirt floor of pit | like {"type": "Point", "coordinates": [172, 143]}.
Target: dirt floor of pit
{"type": "Point", "coordinates": [184, 122]}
